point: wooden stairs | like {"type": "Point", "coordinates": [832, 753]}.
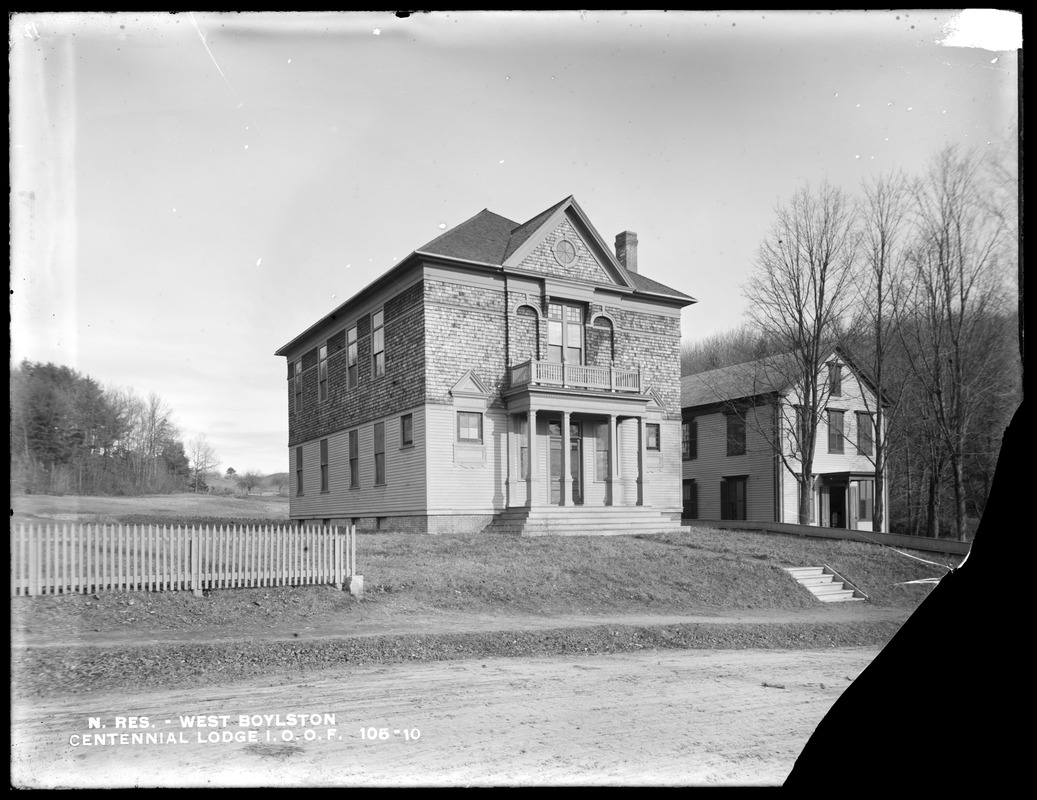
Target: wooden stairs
{"type": "Point", "coordinates": [826, 584]}
{"type": "Point", "coordinates": [584, 521]}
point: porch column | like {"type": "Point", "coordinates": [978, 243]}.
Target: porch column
{"type": "Point", "coordinates": [567, 479]}
{"type": "Point", "coordinates": [610, 481]}
{"type": "Point", "coordinates": [641, 460]}
{"type": "Point", "coordinates": [534, 497]}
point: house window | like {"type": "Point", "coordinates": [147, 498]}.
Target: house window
{"type": "Point", "coordinates": [298, 385]}
{"type": "Point", "coordinates": [379, 454]}
{"type": "Point", "coordinates": [601, 459]}
{"type": "Point", "coordinates": [801, 430]}
{"type": "Point", "coordinates": [354, 459]}
{"type": "Point", "coordinates": [835, 431]}
{"type": "Point", "coordinates": [522, 432]}
{"type": "Point", "coordinates": [732, 498]}
{"type": "Point", "coordinates": [378, 342]}
{"type": "Point", "coordinates": [865, 499]}
{"type": "Point", "coordinates": [469, 427]}
{"type": "Point", "coordinates": [865, 433]}
{"type": "Point", "coordinates": [324, 465]}
{"type": "Point", "coordinates": [406, 430]}
{"type": "Point", "coordinates": [735, 435]}
{"type": "Point", "coordinates": [298, 471]}
{"type": "Point", "coordinates": [690, 440]}
{"type": "Point", "coordinates": [652, 436]}
{"type": "Point", "coordinates": [564, 333]}
{"type": "Point", "coordinates": [322, 373]}
{"type": "Point", "coordinates": [690, 499]}
{"type": "Point", "coordinates": [351, 358]}
{"type": "Point", "coordinates": [835, 380]}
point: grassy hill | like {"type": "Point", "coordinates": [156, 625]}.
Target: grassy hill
{"type": "Point", "coordinates": [698, 569]}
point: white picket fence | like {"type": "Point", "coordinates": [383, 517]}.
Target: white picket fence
{"type": "Point", "coordinates": [66, 559]}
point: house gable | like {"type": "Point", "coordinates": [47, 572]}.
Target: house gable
{"type": "Point", "coordinates": [470, 387]}
{"type": "Point", "coordinates": [562, 242]}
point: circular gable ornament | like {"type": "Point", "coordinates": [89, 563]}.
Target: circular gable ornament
{"type": "Point", "coordinates": [565, 252]}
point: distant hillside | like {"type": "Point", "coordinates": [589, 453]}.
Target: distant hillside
{"type": "Point", "coordinates": [220, 482]}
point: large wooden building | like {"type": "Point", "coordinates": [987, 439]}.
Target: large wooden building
{"type": "Point", "coordinates": [742, 438]}
{"type": "Point", "coordinates": [506, 376]}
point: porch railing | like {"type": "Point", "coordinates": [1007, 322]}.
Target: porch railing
{"type": "Point", "coordinates": [575, 376]}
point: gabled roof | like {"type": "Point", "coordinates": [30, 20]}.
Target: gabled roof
{"type": "Point", "coordinates": [523, 232]}
{"type": "Point", "coordinates": [751, 379]}
{"type": "Point", "coordinates": [488, 239]}
{"type": "Point", "coordinates": [482, 238]}
{"type": "Point", "coordinates": [771, 375]}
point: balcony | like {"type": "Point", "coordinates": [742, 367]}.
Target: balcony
{"type": "Point", "coordinates": [575, 376]}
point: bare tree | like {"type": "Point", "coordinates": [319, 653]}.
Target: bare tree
{"type": "Point", "coordinates": [799, 295]}
{"type": "Point", "coordinates": [954, 321]}
{"type": "Point", "coordinates": [885, 229]}
{"type": "Point", "coordinates": [735, 346]}
{"type": "Point", "coordinates": [249, 481]}
{"type": "Point", "coordinates": [203, 458]}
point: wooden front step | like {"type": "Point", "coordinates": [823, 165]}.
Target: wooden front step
{"type": "Point", "coordinates": [826, 584]}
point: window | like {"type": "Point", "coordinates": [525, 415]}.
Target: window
{"type": "Point", "coordinates": [690, 498]}
{"type": "Point", "coordinates": [835, 431]}
{"type": "Point", "coordinates": [522, 431]}
{"type": "Point", "coordinates": [735, 435]}
{"type": "Point", "coordinates": [732, 498]}
{"type": "Point", "coordinates": [601, 460]}
{"type": "Point", "coordinates": [324, 465]}
{"type": "Point", "coordinates": [865, 433]}
{"type": "Point", "coordinates": [801, 429]}
{"type": "Point", "coordinates": [406, 430]}
{"type": "Point", "coordinates": [378, 342]}
{"type": "Point", "coordinates": [564, 333]}
{"type": "Point", "coordinates": [835, 380]}
{"type": "Point", "coordinates": [379, 454]}
{"type": "Point", "coordinates": [469, 427]}
{"type": "Point", "coordinates": [690, 439]}
{"type": "Point", "coordinates": [322, 373]}
{"type": "Point", "coordinates": [354, 459]}
{"type": "Point", "coordinates": [351, 358]}
{"type": "Point", "coordinates": [298, 471]}
{"type": "Point", "coordinates": [298, 385]}
{"type": "Point", "coordinates": [865, 499]}
{"type": "Point", "coordinates": [652, 436]}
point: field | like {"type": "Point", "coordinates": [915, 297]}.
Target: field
{"type": "Point", "coordinates": [434, 608]}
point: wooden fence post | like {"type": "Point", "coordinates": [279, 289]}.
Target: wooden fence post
{"type": "Point", "coordinates": [196, 563]}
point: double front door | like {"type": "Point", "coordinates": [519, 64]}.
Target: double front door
{"type": "Point", "coordinates": [575, 445]}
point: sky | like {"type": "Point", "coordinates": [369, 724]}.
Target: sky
{"type": "Point", "coordinates": [191, 191]}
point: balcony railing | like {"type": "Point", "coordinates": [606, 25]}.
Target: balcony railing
{"type": "Point", "coordinates": [575, 376]}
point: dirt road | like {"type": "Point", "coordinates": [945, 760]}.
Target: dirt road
{"type": "Point", "coordinates": [686, 717]}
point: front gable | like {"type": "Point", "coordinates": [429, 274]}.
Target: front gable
{"type": "Point", "coordinates": [564, 244]}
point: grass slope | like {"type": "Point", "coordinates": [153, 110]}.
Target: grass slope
{"type": "Point", "coordinates": [409, 577]}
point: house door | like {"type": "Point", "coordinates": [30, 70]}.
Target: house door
{"type": "Point", "coordinates": [575, 461]}
{"type": "Point", "coordinates": [836, 511]}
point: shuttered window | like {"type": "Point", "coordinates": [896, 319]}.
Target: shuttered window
{"type": "Point", "coordinates": [835, 431]}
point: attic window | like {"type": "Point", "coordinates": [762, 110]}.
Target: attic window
{"type": "Point", "coordinates": [565, 252]}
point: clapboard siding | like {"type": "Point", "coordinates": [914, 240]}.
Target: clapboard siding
{"type": "Point", "coordinates": [404, 488]}
{"type": "Point", "coordinates": [765, 501]}
{"type": "Point", "coordinates": [465, 479]}
{"type": "Point", "coordinates": [713, 464]}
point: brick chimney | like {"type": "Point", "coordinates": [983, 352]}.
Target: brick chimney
{"type": "Point", "coordinates": [626, 250]}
